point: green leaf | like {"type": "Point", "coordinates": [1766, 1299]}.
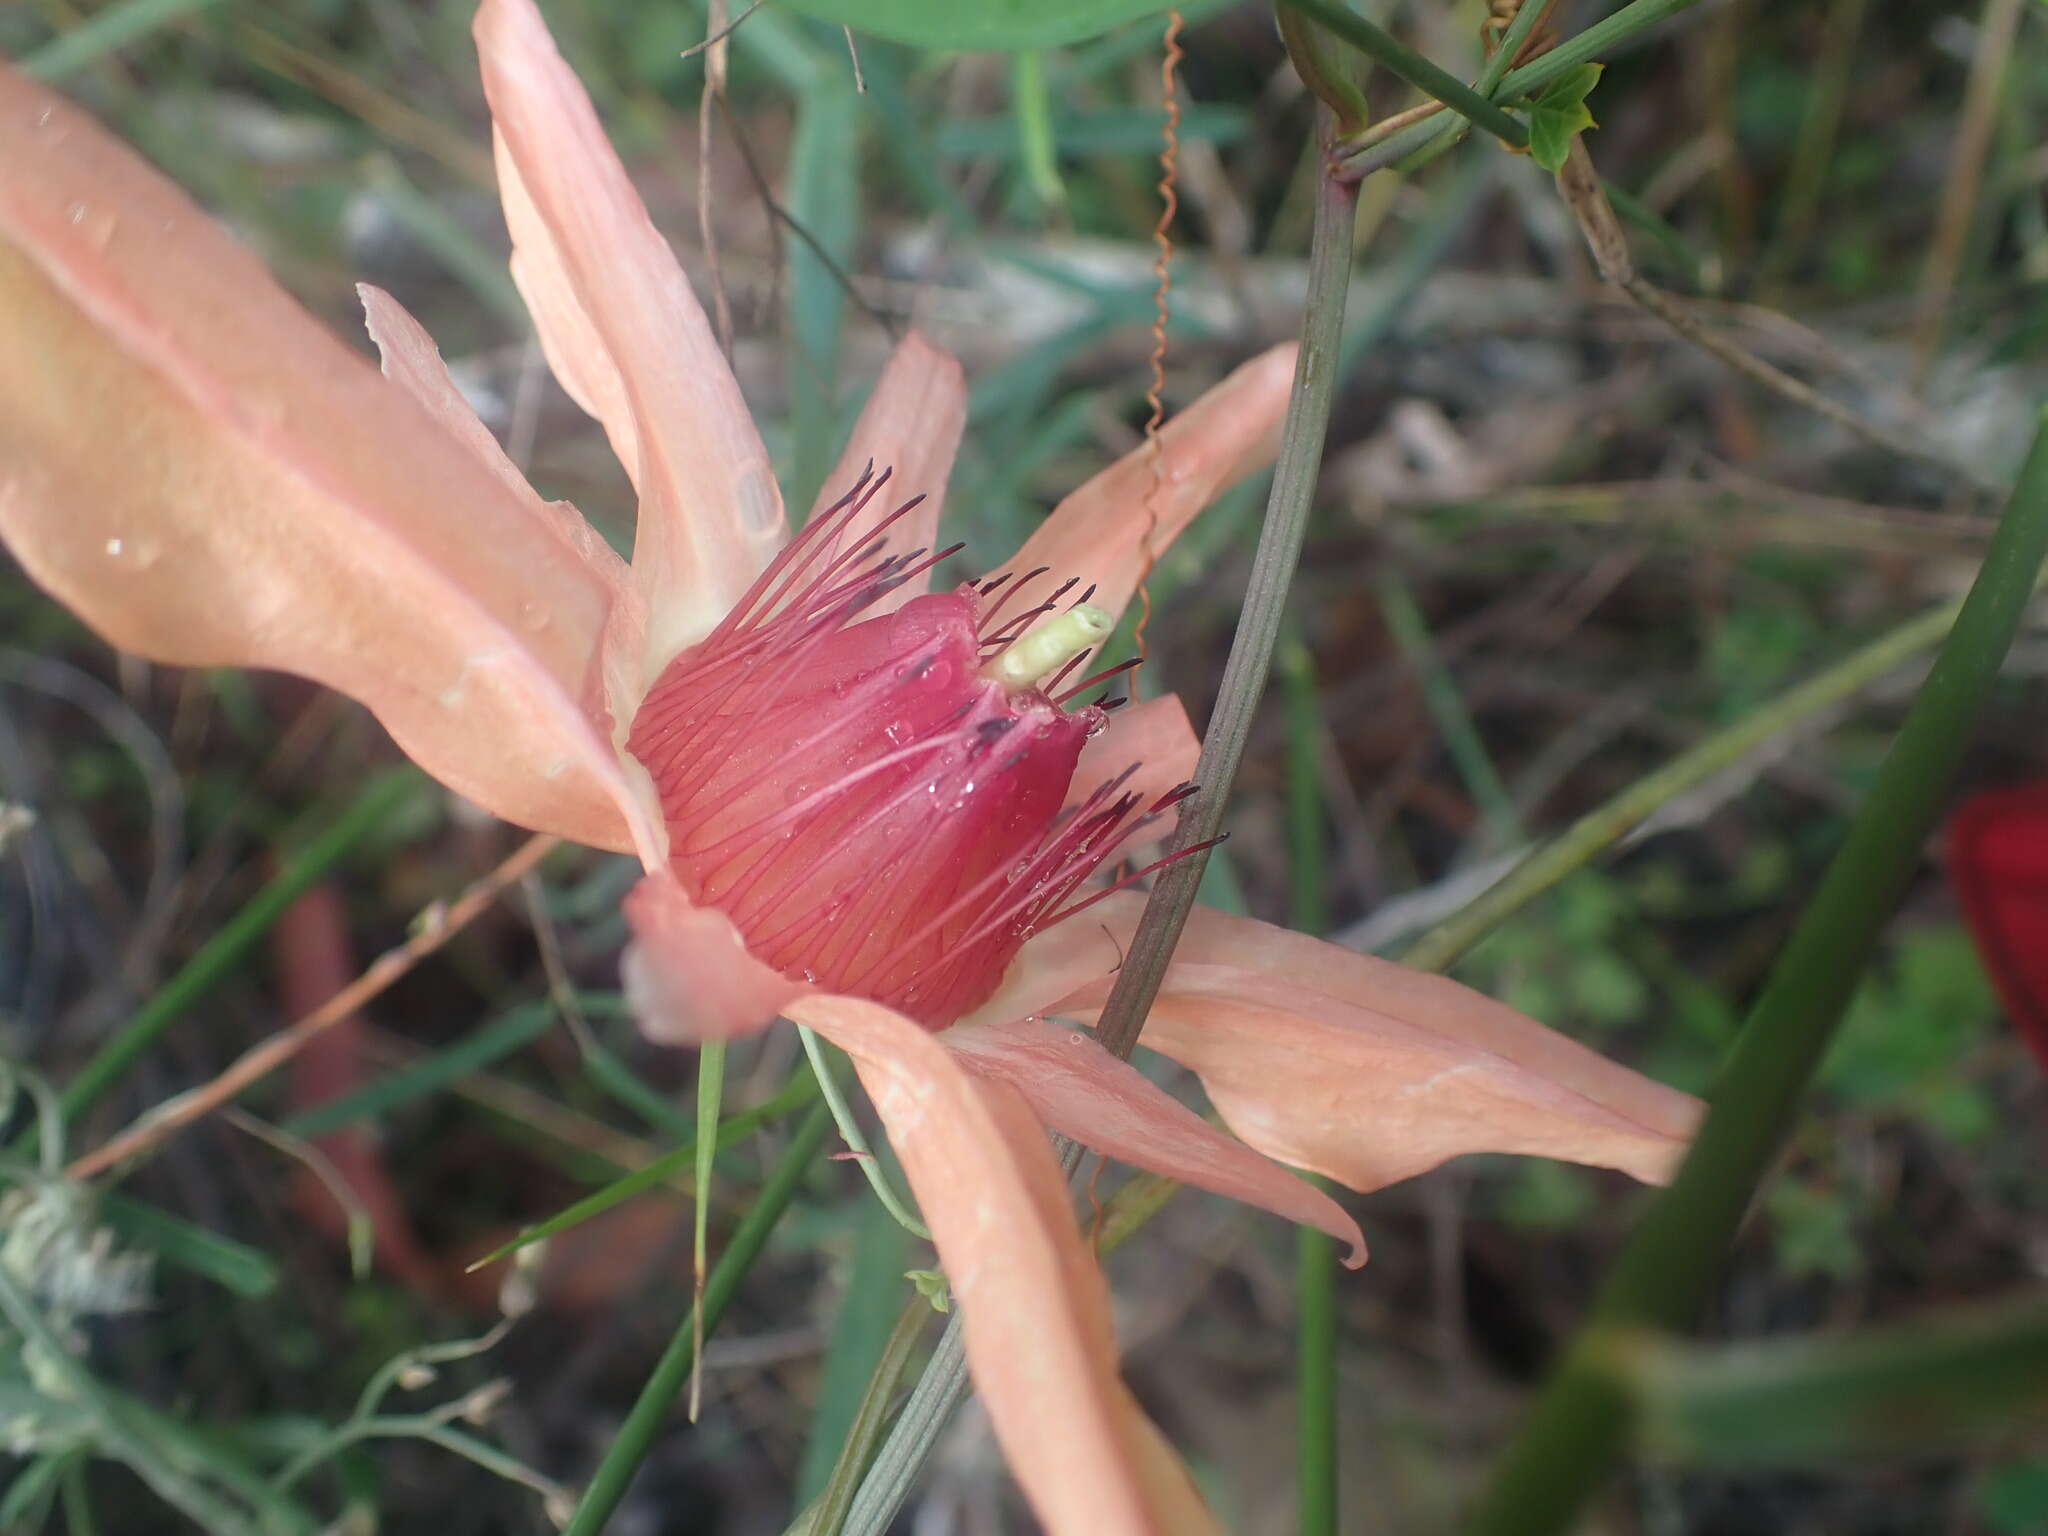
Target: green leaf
{"type": "Point", "coordinates": [932, 1285]}
{"type": "Point", "coordinates": [109, 29]}
{"type": "Point", "coordinates": [1334, 75]}
{"type": "Point", "coordinates": [800, 1089]}
{"type": "Point", "coordinates": [1934, 1383]}
{"type": "Point", "coordinates": [860, 1335]}
{"type": "Point", "coordinates": [244, 1270]}
{"type": "Point", "coordinates": [986, 25]}
{"type": "Point", "coordinates": [381, 1095]}
{"type": "Point", "coordinates": [1559, 115]}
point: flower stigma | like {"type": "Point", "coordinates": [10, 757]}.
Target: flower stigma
{"type": "Point", "coordinates": [1040, 652]}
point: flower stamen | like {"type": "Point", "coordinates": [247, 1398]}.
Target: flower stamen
{"type": "Point", "coordinates": [877, 800]}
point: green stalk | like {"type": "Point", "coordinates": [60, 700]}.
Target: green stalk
{"type": "Point", "coordinates": [669, 1167]}
{"type": "Point", "coordinates": [1575, 1431]}
{"type": "Point", "coordinates": [710, 1091]}
{"type": "Point", "coordinates": [1446, 706]}
{"type": "Point", "coordinates": [1258, 629]}
{"type": "Point", "coordinates": [675, 1368]}
{"type": "Point", "coordinates": [873, 1292]}
{"type": "Point", "coordinates": [828, 1516]}
{"type": "Point", "coordinates": [1396, 56]}
{"type": "Point", "coordinates": [901, 1211]}
{"type": "Point", "coordinates": [223, 953]}
{"type": "Point", "coordinates": [1318, 1503]}
{"type": "Point", "coordinates": [902, 1457]}
{"type": "Point", "coordinates": [1426, 139]}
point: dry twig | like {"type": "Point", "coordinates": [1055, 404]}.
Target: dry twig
{"type": "Point", "coordinates": [435, 928]}
{"type": "Point", "coordinates": [1578, 183]}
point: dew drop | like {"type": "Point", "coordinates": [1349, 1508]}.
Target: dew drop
{"type": "Point", "coordinates": [534, 616]}
{"type": "Point", "coordinates": [115, 547]}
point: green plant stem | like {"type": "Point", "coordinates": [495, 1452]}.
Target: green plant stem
{"type": "Point", "coordinates": [1424, 140]}
{"type": "Point", "coordinates": [221, 954]}
{"type": "Point", "coordinates": [915, 1432]}
{"type": "Point", "coordinates": [1574, 1432]}
{"type": "Point", "coordinates": [1454, 722]}
{"type": "Point", "coordinates": [1265, 601]}
{"type": "Point", "coordinates": [1396, 56]}
{"type": "Point", "coordinates": [874, 1288]}
{"type": "Point", "coordinates": [672, 1372]}
{"type": "Point", "coordinates": [1813, 152]}
{"type": "Point", "coordinates": [667, 1168]}
{"type": "Point", "coordinates": [1609, 32]}
{"type": "Point", "coordinates": [1317, 1502]}
{"type": "Point", "coordinates": [1315, 1383]}
{"type": "Point", "coordinates": [87, 41]}
{"type": "Point", "coordinates": [710, 1094]}
{"type": "Point", "coordinates": [828, 1517]}
{"type": "Point", "coordinates": [900, 1210]}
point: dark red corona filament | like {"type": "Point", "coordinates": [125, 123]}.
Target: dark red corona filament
{"type": "Point", "coordinates": [871, 812]}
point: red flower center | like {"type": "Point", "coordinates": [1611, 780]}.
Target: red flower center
{"type": "Point", "coordinates": [871, 805]}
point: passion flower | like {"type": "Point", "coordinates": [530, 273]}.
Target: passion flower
{"type": "Point", "coordinates": [855, 803]}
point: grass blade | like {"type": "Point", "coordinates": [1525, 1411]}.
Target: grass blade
{"type": "Point", "coordinates": [677, 1364]}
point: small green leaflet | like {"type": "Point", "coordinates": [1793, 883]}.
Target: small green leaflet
{"type": "Point", "coordinates": [1559, 115]}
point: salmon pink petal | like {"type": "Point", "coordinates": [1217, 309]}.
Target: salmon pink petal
{"type": "Point", "coordinates": [1082, 1091]}
{"type": "Point", "coordinates": [911, 427]}
{"type": "Point", "coordinates": [1156, 737]}
{"type": "Point", "coordinates": [1369, 1098]}
{"type": "Point", "coordinates": [1104, 532]}
{"type": "Point", "coordinates": [414, 363]}
{"type": "Point", "coordinates": [208, 477]}
{"type": "Point", "coordinates": [688, 975]}
{"type": "Point", "coordinates": [1356, 1067]}
{"type": "Point", "coordinates": [1032, 1299]}
{"type": "Point", "coordinates": [626, 336]}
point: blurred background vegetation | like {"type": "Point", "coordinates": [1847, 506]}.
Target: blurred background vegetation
{"type": "Point", "coordinates": [1555, 544]}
